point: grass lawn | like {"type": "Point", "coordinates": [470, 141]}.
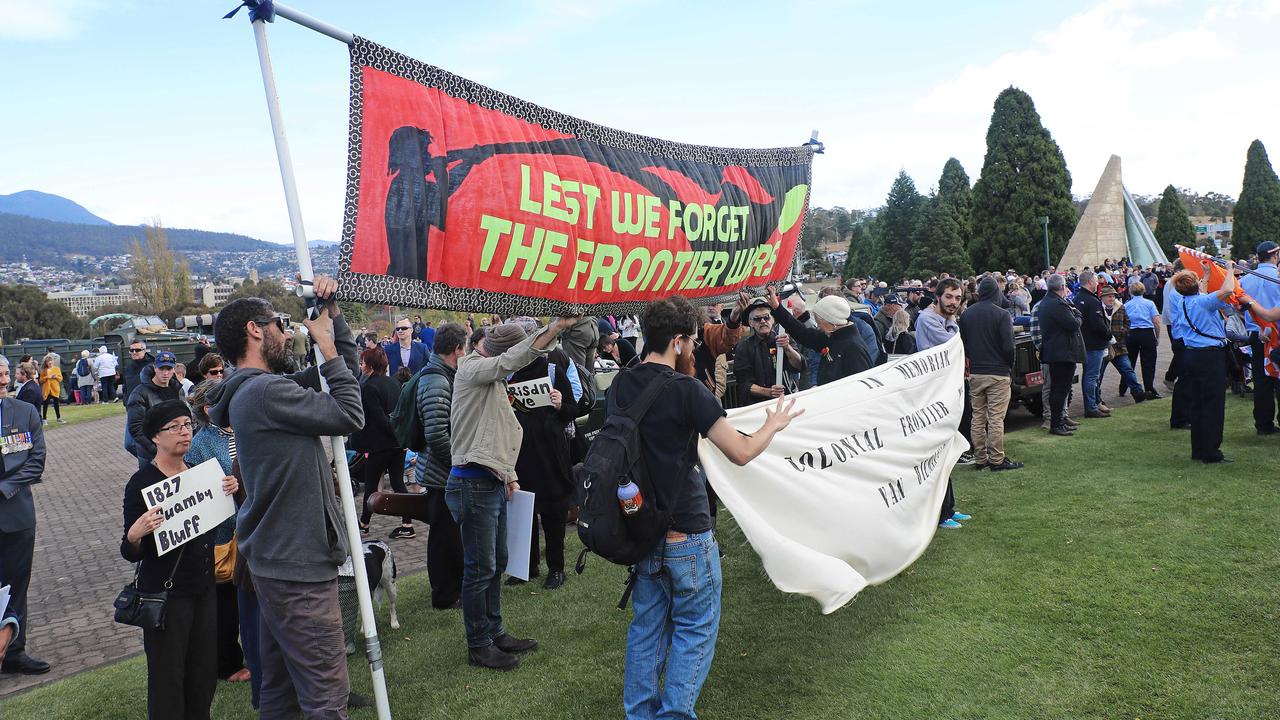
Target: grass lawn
{"type": "Point", "coordinates": [84, 413]}
{"type": "Point", "coordinates": [1111, 578]}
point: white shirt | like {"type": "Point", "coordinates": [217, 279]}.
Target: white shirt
{"type": "Point", "coordinates": [105, 364]}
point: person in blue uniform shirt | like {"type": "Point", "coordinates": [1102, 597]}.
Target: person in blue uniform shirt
{"type": "Point", "coordinates": [1145, 324]}
{"type": "Point", "coordinates": [1204, 360]}
{"type": "Point", "coordinates": [21, 466]}
{"type": "Point", "coordinates": [1266, 293]}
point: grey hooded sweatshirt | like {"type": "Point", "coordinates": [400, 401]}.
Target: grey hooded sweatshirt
{"type": "Point", "coordinates": [290, 525]}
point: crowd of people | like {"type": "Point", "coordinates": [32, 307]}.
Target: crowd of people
{"type": "Point", "coordinates": [256, 600]}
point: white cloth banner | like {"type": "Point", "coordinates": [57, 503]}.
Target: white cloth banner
{"type": "Point", "coordinates": [849, 494]}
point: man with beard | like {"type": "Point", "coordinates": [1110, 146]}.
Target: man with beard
{"type": "Point", "coordinates": [672, 637]}
{"type": "Point", "coordinates": [290, 527]}
{"type": "Point", "coordinates": [935, 326]}
{"type": "Point", "coordinates": [756, 358]}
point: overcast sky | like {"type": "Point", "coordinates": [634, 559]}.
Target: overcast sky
{"type": "Point", "coordinates": [141, 110]}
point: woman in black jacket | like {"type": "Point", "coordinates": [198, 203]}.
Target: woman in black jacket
{"type": "Point", "coordinates": [182, 658]}
{"type": "Point", "coordinates": [543, 465]}
{"type": "Point", "coordinates": [377, 439]}
{"type": "Point", "coordinates": [1062, 348]}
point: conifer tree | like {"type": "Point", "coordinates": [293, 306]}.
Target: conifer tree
{"type": "Point", "coordinates": [1024, 176]}
{"type": "Point", "coordinates": [896, 228]}
{"type": "Point", "coordinates": [1257, 214]}
{"type": "Point", "coordinates": [939, 243]}
{"type": "Point", "coordinates": [1173, 227]}
{"type": "Point", "coordinates": [953, 188]}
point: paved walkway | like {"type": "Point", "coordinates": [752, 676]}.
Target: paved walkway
{"type": "Point", "coordinates": [78, 570]}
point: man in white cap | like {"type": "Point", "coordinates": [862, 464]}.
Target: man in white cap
{"type": "Point", "coordinates": [837, 341]}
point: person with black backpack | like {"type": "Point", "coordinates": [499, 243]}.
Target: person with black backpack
{"type": "Point", "coordinates": [660, 409]}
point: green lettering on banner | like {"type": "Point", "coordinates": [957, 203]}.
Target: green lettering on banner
{"type": "Point", "coordinates": [663, 257]}
{"type": "Point", "coordinates": [494, 229]}
{"type": "Point", "coordinates": [640, 256]}
{"type": "Point", "coordinates": [719, 261]}
{"type": "Point", "coordinates": [682, 259]}
{"type": "Point", "coordinates": [526, 204]}
{"type": "Point", "coordinates": [518, 251]}
{"type": "Point", "coordinates": [604, 265]}
{"type": "Point", "coordinates": [674, 221]}
{"type": "Point", "coordinates": [651, 216]}
{"type": "Point", "coordinates": [554, 241]}
{"type": "Point", "coordinates": [633, 220]}
{"type": "Point", "coordinates": [579, 265]}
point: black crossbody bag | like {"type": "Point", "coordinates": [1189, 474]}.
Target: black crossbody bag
{"type": "Point", "coordinates": [145, 609]}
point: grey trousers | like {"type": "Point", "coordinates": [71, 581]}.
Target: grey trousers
{"type": "Point", "coordinates": [304, 662]}
{"type": "Point", "coordinates": [182, 659]}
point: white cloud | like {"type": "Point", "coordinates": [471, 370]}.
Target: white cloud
{"type": "Point", "coordinates": [49, 20]}
{"type": "Point", "coordinates": [1176, 89]}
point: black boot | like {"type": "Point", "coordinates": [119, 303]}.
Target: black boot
{"type": "Point", "coordinates": [492, 658]}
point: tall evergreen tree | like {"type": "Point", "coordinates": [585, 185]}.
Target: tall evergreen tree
{"type": "Point", "coordinates": [858, 262]}
{"type": "Point", "coordinates": [953, 188]}
{"type": "Point", "coordinates": [1173, 227]}
{"type": "Point", "coordinates": [939, 243]}
{"type": "Point", "coordinates": [896, 228]}
{"type": "Point", "coordinates": [1024, 176]}
{"type": "Point", "coordinates": [1257, 214]}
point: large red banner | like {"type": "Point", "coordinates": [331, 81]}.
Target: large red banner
{"type": "Point", "coordinates": [460, 197]}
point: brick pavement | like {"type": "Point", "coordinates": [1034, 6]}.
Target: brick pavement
{"type": "Point", "coordinates": [78, 570]}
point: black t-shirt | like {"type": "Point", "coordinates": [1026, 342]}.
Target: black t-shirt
{"type": "Point", "coordinates": [667, 435]}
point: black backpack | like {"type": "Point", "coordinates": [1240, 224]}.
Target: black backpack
{"type": "Point", "coordinates": [614, 458]}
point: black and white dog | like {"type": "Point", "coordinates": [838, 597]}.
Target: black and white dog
{"type": "Point", "coordinates": [380, 568]}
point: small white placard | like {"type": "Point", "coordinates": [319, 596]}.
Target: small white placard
{"type": "Point", "coordinates": [531, 393]}
{"type": "Point", "coordinates": [519, 533]}
{"type": "Point", "coordinates": [193, 502]}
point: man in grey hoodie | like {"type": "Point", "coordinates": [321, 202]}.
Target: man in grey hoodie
{"type": "Point", "coordinates": [290, 526]}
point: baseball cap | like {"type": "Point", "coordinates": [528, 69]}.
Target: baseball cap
{"type": "Point", "coordinates": [1266, 247]}
{"type": "Point", "coordinates": [166, 359]}
{"type": "Point", "coordinates": [893, 300]}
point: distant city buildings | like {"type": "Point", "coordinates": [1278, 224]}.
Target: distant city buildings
{"type": "Point", "coordinates": [86, 303]}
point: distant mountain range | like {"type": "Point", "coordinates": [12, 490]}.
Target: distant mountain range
{"type": "Point", "coordinates": [33, 203]}
{"type": "Point", "coordinates": [45, 242]}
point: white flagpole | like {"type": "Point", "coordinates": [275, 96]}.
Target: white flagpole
{"type": "Point", "coordinates": [373, 647]}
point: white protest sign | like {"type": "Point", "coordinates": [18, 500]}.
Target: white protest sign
{"type": "Point", "coordinates": [849, 494]}
{"type": "Point", "coordinates": [519, 533]}
{"type": "Point", "coordinates": [4, 600]}
{"type": "Point", "coordinates": [531, 393]}
{"type": "Point", "coordinates": [193, 503]}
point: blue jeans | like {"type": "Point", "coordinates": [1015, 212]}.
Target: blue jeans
{"type": "Point", "coordinates": [479, 505]}
{"type": "Point", "coordinates": [247, 603]}
{"type": "Point", "coordinates": [1092, 372]}
{"type": "Point", "coordinates": [677, 617]}
{"type": "Point", "coordinates": [1125, 367]}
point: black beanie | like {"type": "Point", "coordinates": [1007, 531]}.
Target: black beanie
{"type": "Point", "coordinates": [160, 414]}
